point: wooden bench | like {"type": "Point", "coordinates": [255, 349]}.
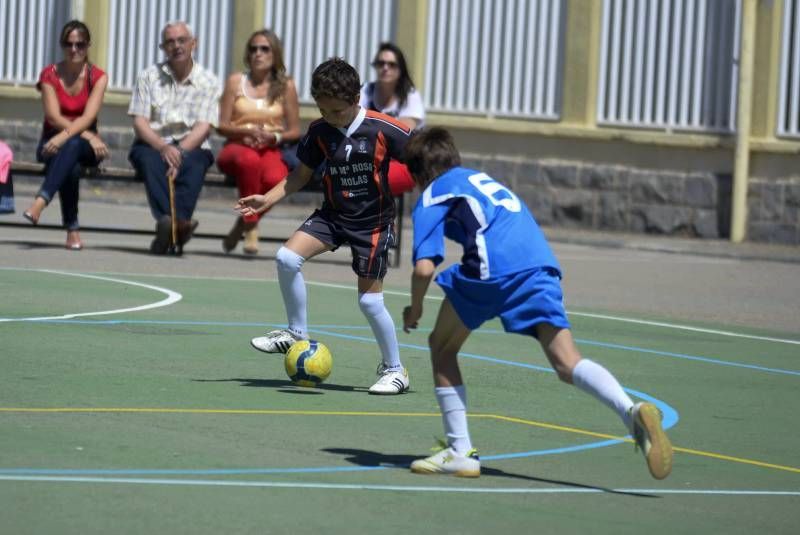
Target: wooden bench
{"type": "Point", "coordinates": [212, 180]}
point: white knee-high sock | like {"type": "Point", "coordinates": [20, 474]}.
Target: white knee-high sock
{"type": "Point", "coordinates": [293, 289]}
{"type": "Point", "coordinates": [382, 325]}
{"type": "Point", "coordinates": [598, 381]}
{"type": "Point", "coordinates": [453, 404]}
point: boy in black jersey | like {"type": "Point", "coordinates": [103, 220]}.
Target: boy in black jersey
{"type": "Point", "coordinates": [355, 145]}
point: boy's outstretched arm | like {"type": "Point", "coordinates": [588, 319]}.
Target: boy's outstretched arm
{"type": "Point", "coordinates": [258, 204]}
{"type": "Point", "coordinates": [420, 280]}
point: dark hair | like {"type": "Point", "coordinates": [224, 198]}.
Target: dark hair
{"type": "Point", "coordinates": [277, 75]}
{"type": "Point", "coordinates": [404, 84]}
{"type": "Point", "coordinates": [335, 78]}
{"type": "Point", "coordinates": [430, 153]}
{"type": "Point", "coordinates": [70, 27]}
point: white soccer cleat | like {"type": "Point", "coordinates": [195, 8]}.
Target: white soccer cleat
{"type": "Point", "coordinates": [651, 438]}
{"type": "Point", "coordinates": [390, 382]}
{"type": "Point", "coordinates": [448, 462]}
{"type": "Point", "coordinates": [278, 341]}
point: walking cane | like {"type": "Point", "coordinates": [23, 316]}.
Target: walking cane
{"type": "Point", "coordinates": [173, 246]}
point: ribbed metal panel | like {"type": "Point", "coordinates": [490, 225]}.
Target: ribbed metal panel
{"type": "Point", "coordinates": [669, 64]}
{"type": "Point", "coordinates": [789, 84]}
{"type": "Point", "coordinates": [495, 57]}
{"type": "Point", "coordinates": [29, 32]}
{"type": "Point", "coordinates": [135, 33]}
{"type": "Point", "coordinates": [312, 31]}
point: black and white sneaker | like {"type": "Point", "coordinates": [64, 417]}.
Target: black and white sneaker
{"type": "Point", "coordinates": [390, 382]}
{"type": "Point", "coordinates": [278, 341]}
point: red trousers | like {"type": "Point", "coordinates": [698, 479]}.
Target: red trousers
{"type": "Point", "coordinates": [256, 170]}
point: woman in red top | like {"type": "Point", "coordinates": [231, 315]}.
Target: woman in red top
{"type": "Point", "coordinates": [72, 93]}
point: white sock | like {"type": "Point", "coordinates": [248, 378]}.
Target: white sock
{"type": "Point", "coordinates": [453, 404]}
{"type": "Point", "coordinates": [293, 289]}
{"type": "Point", "coordinates": [382, 324]}
{"type": "Point", "coordinates": [598, 381]}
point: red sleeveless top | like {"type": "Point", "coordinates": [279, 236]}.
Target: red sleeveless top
{"type": "Point", "coordinates": [71, 106]}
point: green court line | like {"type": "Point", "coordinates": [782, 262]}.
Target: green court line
{"type": "Point", "coordinates": [275, 412]}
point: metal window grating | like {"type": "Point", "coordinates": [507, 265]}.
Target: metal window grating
{"type": "Point", "coordinates": [495, 58]}
{"type": "Point", "coordinates": [788, 119]}
{"type": "Point", "coordinates": [669, 64]}
{"type": "Point", "coordinates": [311, 31]}
{"type": "Point", "coordinates": [29, 32]}
{"type": "Point", "coordinates": [135, 33]}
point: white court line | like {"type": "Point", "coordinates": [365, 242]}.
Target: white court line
{"type": "Point", "coordinates": [394, 488]}
{"type": "Point", "coordinates": [685, 327]}
{"type": "Point", "coordinates": [172, 297]}
{"type": "Point", "coordinates": [439, 298]}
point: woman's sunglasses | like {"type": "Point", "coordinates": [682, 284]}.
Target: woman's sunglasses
{"type": "Point", "coordinates": [80, 45]}
{"type": "Point", "coordinates": [266, 49]}
{"type": "Point", "coordinates": [379, 64]}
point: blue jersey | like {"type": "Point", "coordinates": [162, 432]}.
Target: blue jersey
{"type": "Point", "coordinates": [497, 231]}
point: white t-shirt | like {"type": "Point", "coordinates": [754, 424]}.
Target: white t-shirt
{"type": "Point", "coordinates": [413, 109]}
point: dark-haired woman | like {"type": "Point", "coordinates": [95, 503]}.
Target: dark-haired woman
{"type": "Point", "coordinates": [394, 94]}
{"type": "Point", "coordinates": [72, 93]}
{"type": "Point", "coordinates": [258, 113]}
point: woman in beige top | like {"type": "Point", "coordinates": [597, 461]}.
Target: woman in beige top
{"type": "Point", "coordinates": [258, 113]}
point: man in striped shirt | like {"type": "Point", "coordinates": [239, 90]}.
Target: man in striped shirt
{"type": "Point", "coordinates": [174, 105]}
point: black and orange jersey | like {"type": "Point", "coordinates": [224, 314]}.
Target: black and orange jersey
{"type": "Point", "coordinates": [355, 177]}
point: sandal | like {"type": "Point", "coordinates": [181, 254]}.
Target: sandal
{"type": "Point", "coordinates": [73, 241]}
{"type": "Point", "coordinates": [230, 241]}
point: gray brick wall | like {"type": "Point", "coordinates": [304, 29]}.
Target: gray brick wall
{"type": "Point", "coordinates": [617, 198]}
{"type": "Point", "coordinates": [578, 194]}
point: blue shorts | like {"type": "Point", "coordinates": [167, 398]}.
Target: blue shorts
{"type": "Point", "coordinates": [521, 300]}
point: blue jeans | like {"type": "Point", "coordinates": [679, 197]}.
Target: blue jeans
{"type": "Point", "coordinates": [153, 171]}
{"type": "Point", "coordinates": [62, 172]}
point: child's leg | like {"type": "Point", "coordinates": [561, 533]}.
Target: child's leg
{"type": "Point", "coordinates": [293, 290]}
{"type": "Point", "coordinates": [587, 375]}
{"type": "Point", "coordinates": [289, 259]}
{"type": "Point", "coordinates": [382, 324]}
{"type": "Point", "coordinates": [446, 340]}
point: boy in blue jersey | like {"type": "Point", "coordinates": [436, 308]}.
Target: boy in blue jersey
{"type": "Point", "coordinates": [508, 271]}
{"type": "Point", "coordinates": [355, 145]}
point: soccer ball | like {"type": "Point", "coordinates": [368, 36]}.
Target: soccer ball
{"type": "Point", "coordinates": [308, 362]}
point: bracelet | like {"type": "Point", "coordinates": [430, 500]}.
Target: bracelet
{"type": "Point", "coordinates": [278, 138]}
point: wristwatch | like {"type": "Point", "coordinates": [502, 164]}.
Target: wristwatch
{"type": "Point", "coordinates": [183, 151]}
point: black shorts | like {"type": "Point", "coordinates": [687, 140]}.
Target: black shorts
{"type": "Point", "coordinates": [369, 246]}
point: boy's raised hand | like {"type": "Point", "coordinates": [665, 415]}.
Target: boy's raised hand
{"type": "Point", "coordinates": [250, 205]}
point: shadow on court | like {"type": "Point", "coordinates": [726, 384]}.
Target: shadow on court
{"type": "Point", "coordinates": [373, 458]}
{"type": "Point", "coordinates": [286, 386]}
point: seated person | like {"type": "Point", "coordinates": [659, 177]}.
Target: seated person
{"type": "Point", "coordinates": [258, 114]}
{"type": "Point", "coordinates": [394, 94]}
{"type": "Point", "coordinates": [174, 105]}
{"type": "Point", "coordinates": [72, 93]}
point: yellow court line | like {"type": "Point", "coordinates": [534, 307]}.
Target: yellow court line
{"type": "Point", "coordinates": [278, 412]}
{"type": "Point", "coordinates": [675, 448]}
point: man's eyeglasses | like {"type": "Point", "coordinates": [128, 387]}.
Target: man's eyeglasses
{"type": "Point", "coordinates": [172, 43]}
{"type": "Point", "coordinates": [79, 45]}
{"type": "Point", "coordinates": [379, 64]}
{"type": "Point", "coordinates": [266, 49]}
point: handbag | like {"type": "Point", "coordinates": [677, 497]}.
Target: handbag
{"type": "Point", "coordinates": [6, 183]}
